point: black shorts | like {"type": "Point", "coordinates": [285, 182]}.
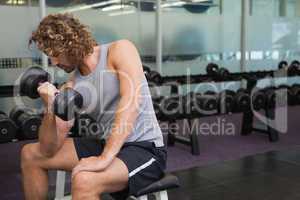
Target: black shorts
{"type": "Point", "coordinates": [145, 162]}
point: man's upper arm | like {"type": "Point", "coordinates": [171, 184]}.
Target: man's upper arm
{"type": "Point", "coordinates": [127, 62]}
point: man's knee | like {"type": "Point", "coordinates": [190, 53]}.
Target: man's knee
{"type": "Point", "coordinates": [84, 182]}
{"type": "Point", "coordinates": [29, 155]}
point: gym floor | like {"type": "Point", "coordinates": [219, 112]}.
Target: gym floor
{"type": "Point", "coordinates": [269, 176]}
{"type": "Point", "coordinates": [229, 167]}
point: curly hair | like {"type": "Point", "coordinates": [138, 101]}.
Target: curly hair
{"type": "Point", "coordinates": [63, 34]}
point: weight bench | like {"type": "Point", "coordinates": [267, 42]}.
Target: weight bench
{"type": "Point", "coordinates": [158, 189]}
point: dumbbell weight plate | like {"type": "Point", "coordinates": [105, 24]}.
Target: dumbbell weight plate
{"type": "Point", "coordinates": [211, 69]}
{"type": "Point", "coordinates": [171, 107]}
{"type": "Point", "coordinates": [283, 64]}
{"type": "Point", "coordinates": [16, 112]}
{"type": "Point", "coordinates": [295, 63]}
{"type": "Point", "coordinates": [208, 103]}
{"type": "Point", "coordinates": [27, 122]}
{"type": "Point", "coordinates": [146, 69]}
{"type": "Point", "coordinates": [67, 103]}
{"type": "Point", "coordinates": [213, 102]}
{"type": "Point", "coordinates": [157, 106]}
{"type": "Point", "coordinates": [154, 77]}
{"type": "Point", "coordinates": [7, 128]}
{"type": "Point", "coordinates": [30, 126]}
{"type": "Point", "coordinates": [30, 81]}
{"type": "Point", "coordinates": [294, 68]}
{"type": "Point", "coordinates": [223, 74]}
{"type": "Point", "coordinates": [258, 100]}
{"type": "Point", "coordinates": [227, 101]}
{"type": "Point", "coordinates": [295, 94]}
{"type": "Point", "coordinates": [243, 100]}
{"type": "Point", "coordinates": [270, 97]}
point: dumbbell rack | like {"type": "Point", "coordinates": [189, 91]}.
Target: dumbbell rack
{"type": "Point", "coordinates": [248, 117]}
{"type": "Point", "coordinates": [247, 127]}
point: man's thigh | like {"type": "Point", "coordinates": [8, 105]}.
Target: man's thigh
{"type": "Point", "coordinates": [113, 179]}
{"type": "Point", "coordinates": [65, 159]}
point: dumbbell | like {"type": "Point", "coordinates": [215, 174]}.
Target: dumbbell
{"type": "Point", "coordinates": [214, 71]}
{"type": "Point", "coordinates": [223, 73]}
{"type": "Point", "coordinates": [254, 76]}
{"type": "Point", "coordinates": [295, 94]}
{"type": "Point", "coordinates": [211, 97]}
{"type": "Point", "coordinates": [8, 128]}
{"type": "Point", "coordinates": [27, 122]}
{"type": "Point", "coordinates": [172, 107]}
{"type": "Point", "coordinates": [270, 93]}
{"type": "Point", "coordinates": [283, 65]}
{"type": "Point", "coordinates": [243, 100]}
{"type": "Point", "coordinates": [227, 101]}
{"type": "Point", "coordinates": [157, 106]}
{"type": "Point", "coordinates": [205, 104]}
{"type": "Point", "coordinates": [65, 103]}
{"type": "Point", "coordinates": [146, 69]}
{"type": "Point", "coordinates": [154, 77]}
{"type": "Point", "coordinates": [258, 99]}
{"type": "Point", "coordinates": [294, 68]}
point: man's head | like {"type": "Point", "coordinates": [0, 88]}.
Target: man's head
{"type": "Point", "coordinates": [64, 39]}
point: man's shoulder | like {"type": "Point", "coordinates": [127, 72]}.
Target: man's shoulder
{"type": "Point", "coordinates": [121, 50]}
{"type": "Point", "coordinates": [121, 44]}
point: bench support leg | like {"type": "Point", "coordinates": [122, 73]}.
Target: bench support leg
{"type": "Point", "coordinates": [144, 197]}
{"type": "Point", "coordinates": [162, 195]}
{"type": "Point", "coordinates": [60, 185]}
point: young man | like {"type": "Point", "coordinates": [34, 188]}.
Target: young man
{"type": "Point", "coordinates": [131, 153]}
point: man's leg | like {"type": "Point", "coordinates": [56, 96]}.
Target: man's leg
{"type": "Point", "coordinates": [89, 185]}
{"type": "Point", "coordinates": [35, 167]}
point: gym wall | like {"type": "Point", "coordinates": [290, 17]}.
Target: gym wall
{"type": "Point", "coordinates": [212, 36]}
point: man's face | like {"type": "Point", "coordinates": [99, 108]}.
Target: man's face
{"type": "Point", "coordinates": [62, 63]}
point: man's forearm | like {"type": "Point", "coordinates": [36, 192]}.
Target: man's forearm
{"type": "Point", "coordinates": [48, 136]}
{"type": "Point", "coordinates": [113, 145]}
{"type": "Point", "coordinates": [123, 126]}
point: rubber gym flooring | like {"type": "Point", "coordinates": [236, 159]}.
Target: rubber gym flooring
{"type": "Point", "coordinates": [228, 167]}
{"type": "Point", "coordinates": [270, 176]}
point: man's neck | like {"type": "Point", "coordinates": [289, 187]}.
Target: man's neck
{"type": "Point", "coordinates": [90, 62]}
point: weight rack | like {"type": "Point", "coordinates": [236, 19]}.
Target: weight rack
{"type": "Point", "coordinates": [248, 116]}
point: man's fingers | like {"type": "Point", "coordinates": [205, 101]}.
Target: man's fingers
{"type": "Point", "coordinates": [45, 84]}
